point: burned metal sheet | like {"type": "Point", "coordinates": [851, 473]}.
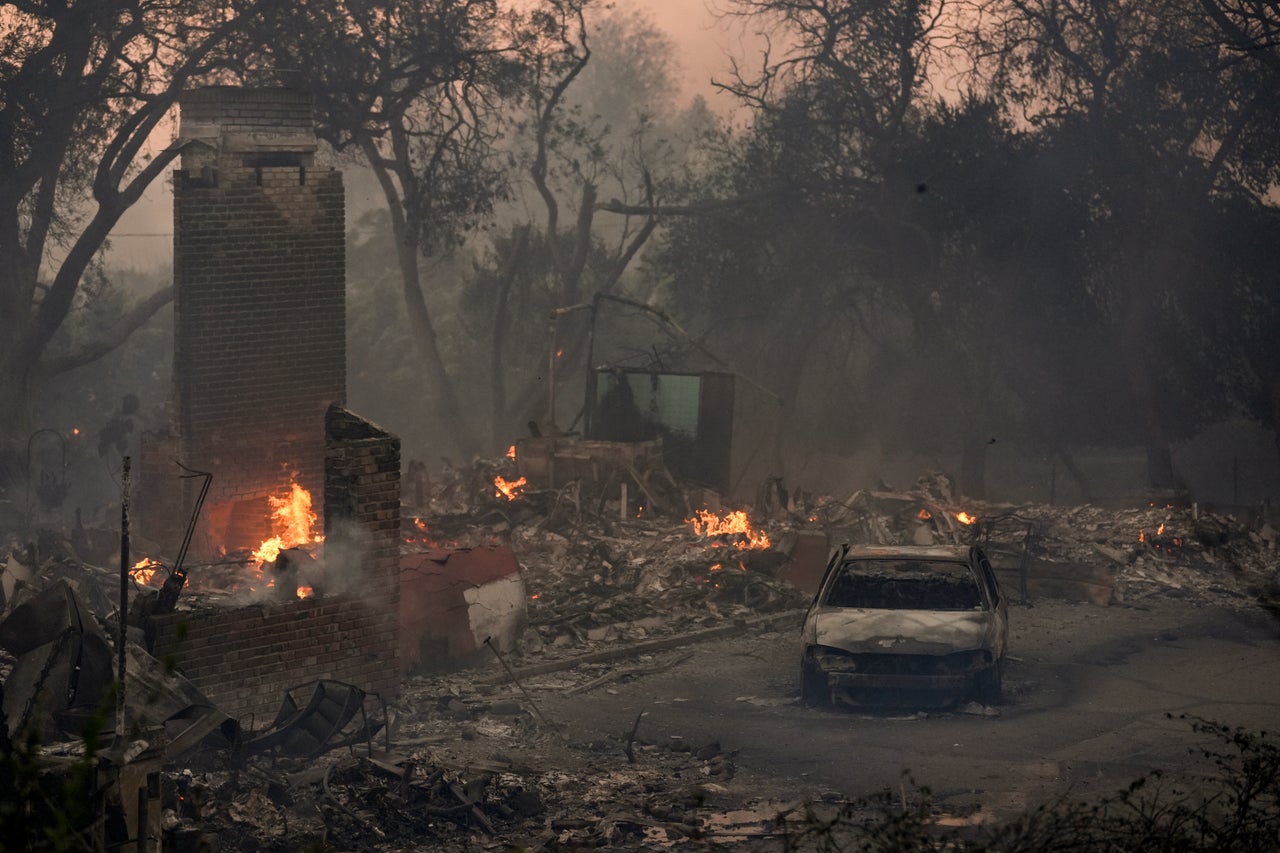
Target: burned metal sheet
{"type": "Point", "coordinates": [156, 694]}
{"type": "Point", "coordinates": [64, 667]}
{"type": "Point", "coordinates": [333, 716]}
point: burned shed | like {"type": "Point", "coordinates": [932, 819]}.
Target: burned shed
{"type": "Point", "coordinates": [692, 413]}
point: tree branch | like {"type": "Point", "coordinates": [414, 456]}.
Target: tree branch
{"type": "Point", "coordinates": [112, 337]}
{"type": "Point", "coordinates": [694, 208]}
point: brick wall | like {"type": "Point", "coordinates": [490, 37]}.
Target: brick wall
{"type": "Point", "coordinates": [260, 313]}
{"type": "Point", "coordinates": [244, 659]}
{"type": "Point", "coordinates": [362, 500]}
{"type": "Point", "coordinates": [213, 111]}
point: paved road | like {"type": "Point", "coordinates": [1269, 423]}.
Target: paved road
{"type": "Point", "coordinates": [1086, 708]}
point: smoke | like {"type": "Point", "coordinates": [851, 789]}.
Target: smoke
{"type": "Point", "coordinates": [341, 565]}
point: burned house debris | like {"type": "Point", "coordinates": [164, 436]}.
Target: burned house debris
{"type": "Point", "coordinates": [481, 748]}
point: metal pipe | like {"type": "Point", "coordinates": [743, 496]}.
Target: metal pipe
{"type": "Point", "coordinates": [124, 597]}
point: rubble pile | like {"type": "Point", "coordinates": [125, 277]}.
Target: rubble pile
{"type": "Point", "coordinates": [1163, 550]}
{"type": "Point", "coordinates": [595, 578]}
{"type": "Point", "coordinates": [468, 759]}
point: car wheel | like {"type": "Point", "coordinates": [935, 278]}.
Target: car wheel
{"type": "Point", "coordinates": [813, 686]}
{"type": "Point", "coordinates": [990, 685]}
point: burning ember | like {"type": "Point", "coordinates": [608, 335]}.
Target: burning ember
{"type": "Point", "coordinates": [508, 489]}
{"type": "Point", "coordinates": [292, 521]}
{"type": "Point", "coordinates": [964, 517]}
{"type": "Point", "coordinates": [1159, 541]}
{"type": "Point", "coordinates": [145, 570]}
{"type": "Point", "coordinates": [708, 524]}
{"type": "Point", "coordinates": [417, 534]}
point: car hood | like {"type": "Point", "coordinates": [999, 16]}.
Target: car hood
{"type": "Point", "coordinates": [901, 631]}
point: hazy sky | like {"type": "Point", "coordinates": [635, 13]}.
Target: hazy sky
{"type": "Point", "coordinates": [702, 40]}
{"type": "Point", "coordinates": [143, 238]}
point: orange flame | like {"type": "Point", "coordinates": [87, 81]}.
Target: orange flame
{"type": "Point", "coordinates": [964, 517]}
{"type": "Point", "coordinates": [1160, 529]}
{"type": "Point", "coordinates": [924, 514]}
{"type": "Point", "coordinates": [511, 452]}
{"type": "Point", "coordinates": [145, 570]}
{"type": "Point", "coordinates": [292, 523]}
{"type": "Point", "coordinates": [508, 489]}
{"type": "Point", "coordinates": [305, 592]}
{"type": "Point", "coordinates": [418, 533]}
{"type": "Point", "coordinates": [707, 523]}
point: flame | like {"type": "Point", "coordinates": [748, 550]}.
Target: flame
{"type": "Point", "coordinates": [75, 430]}
{"type": "Point", "coordinates": [508, 489]}
{"type": "Point", "coordinates": [292, 522]}
{"type": "Point", "coordinates": [924, 514]}
{"type": "Point", "coordinates": [707, 523]}
{"type": "Point", "coordinates": [511, 452]}
{"type": "Point", "coordinates": [305, 592]}
{"type": "Point", "coordinates": [964, 517]}
{"type": "Point", "coordinates": [418, 533]}
{"type": "Point", "coordinates": [1160, 529]}
{"type": "Point", "coordinates": [144, 570]}
{"type": "Point", "coordinates": [1142, 536]}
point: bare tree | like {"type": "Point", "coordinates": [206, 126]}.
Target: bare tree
{"type": "Point", "coordinates": [83, 87]}
{"type": "Point", "coordinates": [420, 90]}
{"type": "Point", "coordinates": [572, 152]}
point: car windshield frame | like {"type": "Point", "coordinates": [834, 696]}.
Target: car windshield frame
{"type": "Point", "coordinates": [905, 583]}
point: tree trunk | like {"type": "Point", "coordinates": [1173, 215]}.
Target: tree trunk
{"type": "Point", "coordinates": [452, 420]}
{"type": "Point", "coordinates": [1137, 349]}
{"type": "Point", "coordinates": [15, 417]}
{"type": "Point", "coordinates": [973, 466]}
{"type": "Point", "coordinates": [1081, 479]}
{"type": "Point", "coordinates": [500, 410]}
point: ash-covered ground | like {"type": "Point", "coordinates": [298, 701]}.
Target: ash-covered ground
{"type": "Point", "coordinates": [651, 701]}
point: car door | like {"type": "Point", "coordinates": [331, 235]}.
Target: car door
{"type": "Point", "coordinates": [999, 608]}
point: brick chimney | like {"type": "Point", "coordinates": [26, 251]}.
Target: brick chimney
{"type": "Point", "coordinates": [260, 313]}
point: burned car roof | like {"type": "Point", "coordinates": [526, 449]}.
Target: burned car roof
{"type": "Point", "coordinates": [936, 552]}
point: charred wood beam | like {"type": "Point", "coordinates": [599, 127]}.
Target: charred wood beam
{"type": "Point", "coordinates": [648, 646]}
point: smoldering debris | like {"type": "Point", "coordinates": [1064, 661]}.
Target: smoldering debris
{"type": "Point", "coordinates": [615, 593]}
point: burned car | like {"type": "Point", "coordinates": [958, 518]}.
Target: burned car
{"type": "Point", "coordinates": [905, 625]}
